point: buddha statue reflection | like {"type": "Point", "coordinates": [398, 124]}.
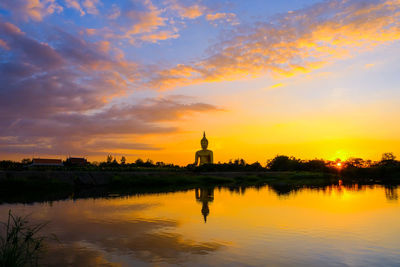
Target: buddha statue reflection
{"type": "Point", "coordinates": [205, 195]}
{"type": "Point", "coordinates": [205, 155]}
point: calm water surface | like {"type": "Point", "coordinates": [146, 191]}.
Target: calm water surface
{"type": "Point", "coordinates": [334, 226]}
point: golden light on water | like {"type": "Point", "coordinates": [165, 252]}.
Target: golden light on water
{"type": "Point", "coordinates": [335, 221]}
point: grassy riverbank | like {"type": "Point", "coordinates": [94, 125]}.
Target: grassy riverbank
{"type": "Point", "coordinates": [28, 186]}
{"type": "Point", "coordinates": [31, 186]}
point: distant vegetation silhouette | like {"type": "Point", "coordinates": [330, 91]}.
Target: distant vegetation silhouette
{"type": "Point", "coordinates": [387, 168]}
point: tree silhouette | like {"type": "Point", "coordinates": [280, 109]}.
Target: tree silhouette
{"type": "Point", "coordinates": [284, 163]}
{"type": "Point", "coordinates": [26, 161]}
{"type": "Point", "coordinates": [355, 162]}
{"type": "Point", "coordinates": [388, 156]}
{"type": "Point", "coordinates": [139, 162]}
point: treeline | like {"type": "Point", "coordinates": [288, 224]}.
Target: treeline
{"type": "Point", "coordinates": [388, 166]}
{"type": "Point", "coordinates": [111, 164]}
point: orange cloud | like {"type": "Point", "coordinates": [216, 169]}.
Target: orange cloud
{"type": "Point", "coordinates": [13, 29]}
{"type": "Point", "coordinates": [161, 35]}
{"type": "Point", "coordinates": [299, 42]}
{"type": "Point", "coordinates": [226, 17]}
{"type": "Point", "coordinates": [190, 12]}
{"type": "Point", "coordinates": [91, 6]}
{"type": "Point", "coordinates": [91, 31]}
{"type": "Point", "coordinates": [147, 21]}
{"type": "Point", "coordinates": [75, 5]}
{"type": "Point", "coordinates": [32, 9]}
{"type": "Point", "coordinates": [4, 45]}
{"type": "Point", "coordinates": [276, 85]}
{"type": "Point", "coordinates": [104, 46]}
{"type": "Point", "coordinates": [148, 26]}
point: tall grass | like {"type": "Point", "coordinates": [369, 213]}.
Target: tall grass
{"type": "Point", "coordinates": [20, 244]}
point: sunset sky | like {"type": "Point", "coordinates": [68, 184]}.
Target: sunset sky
{"type": "Point", "coordinates": [310, 79]}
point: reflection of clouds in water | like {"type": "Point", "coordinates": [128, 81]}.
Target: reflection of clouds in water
{"type": "Point", "coordinates": [75, 255]}
{"type": "Point", "coordinates": [162, 246]}
{"type": "Point", "coordinates": [110, 232]}
{"type": "Point", "coordinates": [115, 211]}
{"type": "Point", "coordinates": [97, 231]}
{"type": "Point", "coordinates": [143, 239]}
{"type": "Point", "coordinates": [104, 232]}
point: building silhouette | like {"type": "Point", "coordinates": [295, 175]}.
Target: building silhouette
{"type": "Point", "coordinates": [76, 161]}
{"type": "Point", "coordinates": [46, 162]}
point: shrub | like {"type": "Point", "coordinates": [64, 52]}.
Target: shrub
{"type": "Point", "coordinates": [20, 245]}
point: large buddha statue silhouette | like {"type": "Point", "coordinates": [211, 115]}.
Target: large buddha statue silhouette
{"type": "Point", "coordinates": [205, 155]}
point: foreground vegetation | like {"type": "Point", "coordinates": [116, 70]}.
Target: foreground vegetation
{"type": "Point", "coordinates": [20, 242]}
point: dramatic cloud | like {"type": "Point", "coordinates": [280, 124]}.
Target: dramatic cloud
{"type": "Point", "coordinates": [139, 25]}
{"type": "Point", "coordinates": [71, 75]}
{"type": "Point", "coordinates": [62, 81]}
{"type": "Point", "coordinates": [27, 49]}
{"type": "Point", "coordinates": [31, 9]}
{"type": "Point", "coordinates": [145, 21]}
{"type": "Point", "coordinates": [147, 26]}
{"type": "Point", "coordinates": [298, 41]}
{"type": "Point", "coordinates": [59, 132]}
{"type": "Point", "coordinates": [56, 98]}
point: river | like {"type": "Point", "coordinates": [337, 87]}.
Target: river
{"type": "Point", "coordinates": [330, 226]}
